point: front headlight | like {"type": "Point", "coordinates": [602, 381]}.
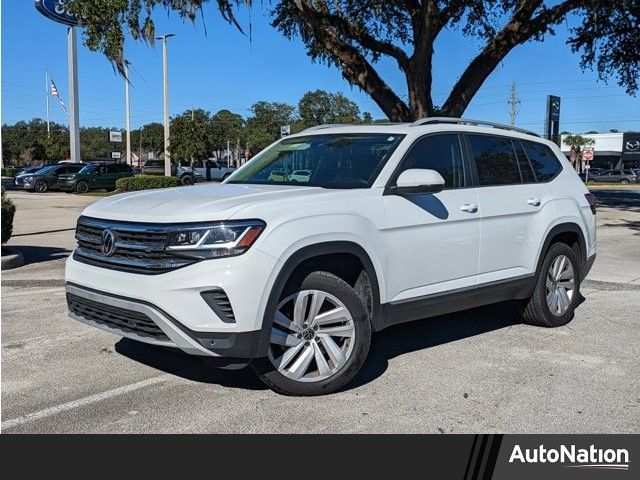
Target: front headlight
{"type": "Point", "coordinates": [223, 239]}
{"type": "Point", "coordinates": [28, 179]}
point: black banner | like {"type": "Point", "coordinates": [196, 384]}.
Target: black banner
{"type": "Point", "coordinates": [463, 457]}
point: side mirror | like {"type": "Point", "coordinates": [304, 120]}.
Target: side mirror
{"type": "Point", "coordinates": [417, 180]}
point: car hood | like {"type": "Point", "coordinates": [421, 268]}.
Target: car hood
{"type": "Point", "coordinates": [191, 204]}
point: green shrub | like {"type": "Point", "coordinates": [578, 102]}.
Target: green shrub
{"type": "Point", "coordinates": [10, 172]}
{"type": "Point", "coordinates": [8, 210]}
{"type": "Point", "coordinates": [146, 182]}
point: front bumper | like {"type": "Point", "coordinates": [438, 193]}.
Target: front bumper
{"type": "Point", "coordinates": [174, 301]}
{"type": "Point", "coordinates": [147, 323]}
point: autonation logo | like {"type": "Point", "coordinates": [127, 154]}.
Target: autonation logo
{"type": "Point", "coordinates": [573, 457]}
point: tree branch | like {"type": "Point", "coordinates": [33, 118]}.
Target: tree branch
{"type": "Point", "coordinates": [520, 28]}
{"type": "Point", "coordinates": [355, 67]}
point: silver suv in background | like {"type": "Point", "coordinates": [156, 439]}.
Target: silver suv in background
{"type": "Point", "coordinates": [615, 176]}
{"type": "Point", "coordinates": [187, 175]}
{"type": "Point", "coordinates": [219, 170]}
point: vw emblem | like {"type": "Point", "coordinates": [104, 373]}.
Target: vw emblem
{"type": "Point", "coordinates": [107, 242]}
{"type": "Point", "coordinates": [633, 145]}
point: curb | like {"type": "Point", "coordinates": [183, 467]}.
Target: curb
{"type": "Point", "coordinates": [11, 258]}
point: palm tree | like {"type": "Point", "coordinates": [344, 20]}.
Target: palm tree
{"type": "Point", "coordinates": [577, 142]}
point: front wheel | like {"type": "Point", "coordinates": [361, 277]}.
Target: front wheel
{"type": "Point", "coordinates": [319, 340]}
{"type": "Point", "coordinates": [187, 180]}
{"type": "Point", "coordinates": [557, 289]}
{"type": "Point", "coordinates": [41, 186]}
{"type": "Point", "coordinates": [82, 187]}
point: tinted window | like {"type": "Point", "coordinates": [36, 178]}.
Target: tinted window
{"type": "Point", "coordinates": [543, 160]}
{"type": "Point", "coordinates": [495, 160]}
{"type": "Point", "coordinates": [113, 168]}
{"type": "Point", "coordinates": [73, 168]}
{"type": "Point", "coordinates": [525, 167]}
{"type": "Point", "coordinates": [441, 153]}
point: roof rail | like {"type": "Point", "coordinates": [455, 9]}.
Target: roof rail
{"type": "Point", "coordinates": [326, 125]}
{"type": "Point", "coordinates": [468, 121]}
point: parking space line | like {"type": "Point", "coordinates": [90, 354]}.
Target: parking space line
{"type": "Point", "coordinates": [82, 402]}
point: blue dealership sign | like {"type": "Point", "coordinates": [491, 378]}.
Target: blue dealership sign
{"type": "Point", "coordinates": [56, 10]}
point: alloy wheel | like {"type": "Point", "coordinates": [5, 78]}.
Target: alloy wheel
{"type": "Point", "coordinates": [560, 285]}
{"type": "Point", "coordinates": [312, 337]}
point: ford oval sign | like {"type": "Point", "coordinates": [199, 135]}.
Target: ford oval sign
{"type": "Point", "coordinates": [56, 10]}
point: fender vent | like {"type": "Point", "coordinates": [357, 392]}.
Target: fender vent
{"type": "Point", "coordinates": [220, 304]}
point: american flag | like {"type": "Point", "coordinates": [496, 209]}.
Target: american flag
{"type": "Point", "coordinates": [56, 93]}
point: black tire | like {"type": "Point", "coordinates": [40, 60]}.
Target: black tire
{"type": "Point", "coordinates": [82, 187]}
{"type": "Point", "coordinates": [329, 283]}
{"type": "Point", "coordinates": [535, 310]}
{"type": "Point", "coordinates": [41, 186]}
{"type": "Point", "coordinates": [187, 180]}
{"type": "Point", "coordinates": [624, 180]}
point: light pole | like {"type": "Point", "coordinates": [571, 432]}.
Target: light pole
{"type": "Point", "coordinates": [165, 94]}
{"type": "Point", "coordinates": [127, 112]}
{"type": "Point", "coordinates": [74, 123]}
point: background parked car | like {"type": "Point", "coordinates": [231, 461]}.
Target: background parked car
{"type": "Point", "coordinates": [47, 178]}
{"type": "Point", "coordinates": [218, 170]}
{"type": "Point", "coordinates": [278, 176]}
{"type": "Point", "coordinates": [95, 176]}
{"type": "Point", "coordinates": [18, 180]}
{"type": "Point", "coordinates": [300, 176]}
{"type": "Point", "coordinates": [615, 176]}
{"type": "Point", "coordinates": [186, 174]}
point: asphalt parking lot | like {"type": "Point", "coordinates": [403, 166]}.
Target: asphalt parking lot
{"type": "Point", "coordinates": [479, 370]}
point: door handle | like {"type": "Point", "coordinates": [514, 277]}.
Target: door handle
{"type": "Point", "coordinates": [469, 207]}
{"type": "Point", "coordinates": [534, 202]}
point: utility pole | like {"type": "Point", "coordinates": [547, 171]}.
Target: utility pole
{"type": "Point", "coordinates": [514, 103]}
{"type": "Point", "coordinates": [74, 122]}
{"type": "Point", "coordinates": [46, 92]}
{"type": "Point", "coordinates": [165, 94]}
{"type": "Point", "coordinates": [127, 112]}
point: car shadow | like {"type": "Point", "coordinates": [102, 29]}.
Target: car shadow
{"type": "Point", "coordinates": [39, 254]}
{"type": "Point", "coordinates": [386, 345]}
{"type": "Point", "coordinates": [176, 362]}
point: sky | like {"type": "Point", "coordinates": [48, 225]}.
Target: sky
{"type": "Point", "coordinates": [221, 68]}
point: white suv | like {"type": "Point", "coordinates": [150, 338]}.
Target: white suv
{"type": "Point", "coordinates": [394, 223]}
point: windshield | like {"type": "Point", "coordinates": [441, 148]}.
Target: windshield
{"type": "Point", "coordinates": [329, 161]}
{"type": "Point", "coordinates": [90, 168]}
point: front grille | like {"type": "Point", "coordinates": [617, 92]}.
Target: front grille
{"type": "Point", "coordinates": [139, 248]}
{"type": "Point", "coordinates": [128, 321]}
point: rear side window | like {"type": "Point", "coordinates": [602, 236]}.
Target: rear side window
{"type": "Point", "coordinates": [495, 160]}
{"type": "Point", "coordinates": [441, 153]}
{"type": "Point", "coordinates": [543, 161]}
{"type": "Point", "coordinates": [525, 167]}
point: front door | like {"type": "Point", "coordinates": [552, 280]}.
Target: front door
{"type": "Point", "coordinates": [432, 239]}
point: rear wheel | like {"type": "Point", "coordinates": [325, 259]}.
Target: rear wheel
{"type": "Point", "coordinates": [41, 186]}
{"type": "Point", "coordinates": [319, 339]}
{"type": "Point", "coordinates": [557, 289]}
{"type": "Point", "coordinates": [82, 187]}
{"type": "Point", "coordinates": [624, 180]}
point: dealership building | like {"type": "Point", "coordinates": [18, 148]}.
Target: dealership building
{"type": "Point", "coordinates": [612, 150]}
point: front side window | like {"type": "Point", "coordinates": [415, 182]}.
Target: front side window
{"type": "Point", "coordinates": [441, 153]}
{"type": "Point", "coordinates": [495, 160]}
{"type": "Point", "coordinates": [333, 160]}
{"type": "Point", "coordinates": [89, 169]}
{"type": "Point", "coordinates": [543, 160]}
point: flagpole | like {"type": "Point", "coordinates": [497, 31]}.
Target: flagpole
{"type": "Point", "coordinates": [46, 92]}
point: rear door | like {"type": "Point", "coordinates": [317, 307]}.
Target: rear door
{"type": "Point", "coordinates": [515, 208]}
{"type": "Point", "coordinates": [432, 238]}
